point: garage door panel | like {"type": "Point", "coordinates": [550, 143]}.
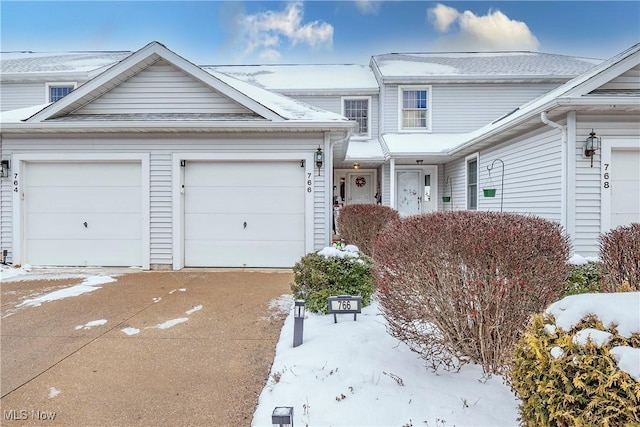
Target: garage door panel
{"type": "Point", "coordinates": [71, 226]}
{"type": "Point", "coordinates": [626, 164]}
{"type": "Point", "coordinates": [259, 226]}
{"type": "Point", "coordinates": [85, 174]}
{"type": "Point", "coordinates": [623, 193]}
{"type": "Point", "coordinates": [61, 197]}
{"type": "Point", "coordinates": [244, 199]}
{"type": "Point", "coordinates": [84, 199]}
{"type": "Point", "coordinates": [233, 253]}
{"type": "Point", "coordinates": [625, 187]}
{"type": "Point", "coordinates": [250, 174]}
{"type": "Point", "coordinates": [112, 252]}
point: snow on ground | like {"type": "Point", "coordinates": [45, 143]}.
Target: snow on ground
{"type": "Point", "coordinates": [7, 272]}
{"type": "Point", "coordinates": [169, 323]}
{"type": "Point", "coordinates": [194, 309]}
{"type": "Point", "coordinates": [131, 331]}
{"type": "Point", "coordinates": [90, 284]}
{"type": "Point", "coordinates": [354, 373]}
{"type": "Point", "coordinates": [53, 392]}
{"type": "Point", "coordinates": [577, 259]}
{"type": "Point", "coordinates": [91, 324]}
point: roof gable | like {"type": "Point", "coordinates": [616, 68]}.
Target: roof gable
{"type": "Point", "coordinates": [130, 67]}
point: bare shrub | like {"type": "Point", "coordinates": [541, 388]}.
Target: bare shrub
{"type": "Point", "coordinates": [461, 286]}
{"type": "Point", "coordinates": [360, 225]}
{"type": "Point", "coordinates": [620, 256]}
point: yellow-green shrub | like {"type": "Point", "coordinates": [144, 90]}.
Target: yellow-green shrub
{"type": "Point", "coordinates": [581, 387]}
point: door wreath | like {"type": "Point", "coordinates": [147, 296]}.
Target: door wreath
{"type": "Point", "coordinates": [360, 181]}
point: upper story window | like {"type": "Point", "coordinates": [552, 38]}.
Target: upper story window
{"type": "Point", "coordinates": [56, 91]}
{"type": "Point", "coordinates": [472, 182]}
{"type": "Point", "coordinates": [357, 109]}
{"type": "Point", "coordinates": [415, 111]}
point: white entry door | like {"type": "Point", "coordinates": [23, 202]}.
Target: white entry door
{"type": "Point", "coordinates": [360, 188]}
{"type": "Point", "coordinates": [244, 214]}
{"type": "Point", "coordinates": [83, 214]}
{"type": "Point", "coordinates": [416, 191]}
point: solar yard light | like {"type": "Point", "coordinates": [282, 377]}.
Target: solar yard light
{"type": "Point", "coordinates": [282, 416]}
{"type": "Point", "coordinates": [298, 322]}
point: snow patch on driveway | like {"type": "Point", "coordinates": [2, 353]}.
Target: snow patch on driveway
{"type": "Point", "coordinates": [91, 324]}
{"type": "Point", "coordinates": [90, 284]}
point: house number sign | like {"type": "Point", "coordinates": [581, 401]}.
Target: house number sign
{"type": "Point", "coordinates": [605, 176]}
{"type": "Point", "coordinates": [345, 304]}
{"type": "Point", "coordinates": [15, 182]}
{"type": "Point", "coordinates": [309, 183]}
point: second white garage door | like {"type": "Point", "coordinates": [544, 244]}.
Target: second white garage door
{"type": "Point", "coordinates": [244, 214]}
{"type": "Point", "coordinates": [625, 187]}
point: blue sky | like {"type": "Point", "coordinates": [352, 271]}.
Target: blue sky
{"type": "Point", "coordinates": [250, 32]}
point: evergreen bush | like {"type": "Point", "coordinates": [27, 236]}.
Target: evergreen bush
{"type": "Point", "coordinates": [584, 278]}
{"type": "Point", "coordinates": [360, 225]}
{"type": "Point", "coordinates": [332, 272]}
{"type": "Point", "coordinates": [461, 286]}
{"type": "Point", "coordinates": [561, 382]}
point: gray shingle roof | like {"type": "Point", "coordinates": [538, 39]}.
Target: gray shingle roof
{"type": "Point", "coordinates": [486, 64]}
{"type": "Point", "coordinates": [30, 62]}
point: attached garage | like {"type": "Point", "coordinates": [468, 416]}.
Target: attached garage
{"type": "Point", "coordinates": [625, 186]}
{"type": "Point", "coordinates": [81, 213]}
{"type": "Point", "coordinates": [244, 213]}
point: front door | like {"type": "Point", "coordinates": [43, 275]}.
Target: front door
{"type": "Point", "coordinates": [360, 188]}
{"type": "Point", "coordinates": [416, 191]}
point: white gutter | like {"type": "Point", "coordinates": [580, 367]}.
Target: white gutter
{"type": "Point", "coordinates": [563, 167]}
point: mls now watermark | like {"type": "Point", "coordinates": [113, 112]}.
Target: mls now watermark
{"type": "Point", "coordinates": [23, 415]}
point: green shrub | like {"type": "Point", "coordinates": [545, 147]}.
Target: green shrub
{"type": "Point", "coordinates": [317, 277]}
{"type": "Point", "coordinates": [585, 278]}
{"type": "Point", "coordinates": [620, 256]}
{"type": "Point", "coordinates": [461, 286]}
{"type": "Point", "coordinates": [360, 225]}
{"type": "Point", "coordinates": [561, 382]}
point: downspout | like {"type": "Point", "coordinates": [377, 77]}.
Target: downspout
{"type": "Point", "coordinates": [563, 167]}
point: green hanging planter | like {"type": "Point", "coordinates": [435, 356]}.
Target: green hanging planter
{"type": "Point", "coordinates": [489, 192]}
{"type": "Point", "coordinates": [446, 199]}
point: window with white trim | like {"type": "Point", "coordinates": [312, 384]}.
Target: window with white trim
{"type": "Point", "coordinates": [56, 91]}
{"type": "Point", "coordinates": [472, 182]}
{"type": "Point", "coordinates": [357, 109]}
{"type": "Point", "coordinates": [415, 113]}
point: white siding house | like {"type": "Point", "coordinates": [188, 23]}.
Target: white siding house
{"type": "Point", "coordinates": [156, 162]}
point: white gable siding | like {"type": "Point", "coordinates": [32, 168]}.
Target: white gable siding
{"type": "Point", "coordinates": [463, 108]}
{"type": "Point", "coordinates": [588, 181]}
{"type": "Point", "coordinates": [456, 171]}
{"type": "Point", "coordinates": [386, 184]}
{"type": "Point", "coordinates": [21, 95]}
{"type": "Point", "coordinates": [629, 80]}
{"type": "Point", "coordinates": [162, 88]}
{"type": "Point", "coordinates": [160, 149]}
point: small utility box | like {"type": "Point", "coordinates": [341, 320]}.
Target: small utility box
{"type": "Point", "coordinates": [345, 304]}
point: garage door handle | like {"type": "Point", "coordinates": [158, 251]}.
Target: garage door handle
{"type": "Point", "coordinates": [85, 224]}
{"type": "Point", "coordinates": [245, 224]}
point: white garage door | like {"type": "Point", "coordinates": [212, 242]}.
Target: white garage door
{"type": "Point", "coordinates": [244, 214]}
{"type": "Point", "coordinates": [625, 187]}
{"type": "Point", "coordinates": [83, 214]}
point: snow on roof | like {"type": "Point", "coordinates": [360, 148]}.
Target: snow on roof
{"type": "Point", "coordinates": [423, 143]}
{"type": "Point", "coordinates": [20, 114]}
{"type": "Point", "coordinates": [303, 77]}
{"type": "Point", "coordinates": [364, 150]}
{"type": "Point", "coordinates": [482, 64]}
{"type": "Point", "coordinates": [285, 107]}
{"type": "Point", "coordinates": [30, 62]}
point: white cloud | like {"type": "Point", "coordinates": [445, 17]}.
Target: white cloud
{"type": "Point", "coordinates": [493, 31]}
{"type": "Point", "coordinates": [368, 7]}
{"type": "Point", "coordinates": [442, 17]}
{"type": "Point", "coordinates": [265, 32]}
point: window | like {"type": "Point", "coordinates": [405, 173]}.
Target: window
{"type": "Point", "coordinates": [472, 183]}
{"type": "Point", "coordinates": [357, 109]}
{"type": "Point", "coordinates": [56, 91]}
{"type": "Point", "coordinates": [414, 109]}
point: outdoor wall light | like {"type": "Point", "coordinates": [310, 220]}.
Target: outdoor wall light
{"type": "Point", "coordinates": [418, 162]}
{"type": "Point", "coordinates": [282, 416]}
{"type": "Point", "coordinates": [591, 146]}
{"type": "Point", "coordinates": [4, 171]}
{"type": "Point", "coordinates": [298, 322]}
{"type": "Point", "coordinates": [319, 155]}
{"type": "Point", "coordinates": [356, 165]}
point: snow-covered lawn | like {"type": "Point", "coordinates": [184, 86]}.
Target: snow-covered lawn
{"type": "Point", "coordinates": [353, 373]}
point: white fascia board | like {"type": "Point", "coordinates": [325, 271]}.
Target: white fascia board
{"type": "Point", "coordinates": [599, 101]}
{"type": "Point", "coordinates": [468, 78]}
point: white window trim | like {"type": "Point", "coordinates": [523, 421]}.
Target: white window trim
{"type": "Point", "coordinates": [476, 157]}
{"type": "Point", "coordinates": [429, 108]}
{"type": "Point", "coordinates": [359, 98]}
{"type": "Point", "coordinates": [49, 85]}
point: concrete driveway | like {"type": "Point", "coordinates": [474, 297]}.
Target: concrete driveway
{"type": "Point", "coordinates": [202, 355]}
